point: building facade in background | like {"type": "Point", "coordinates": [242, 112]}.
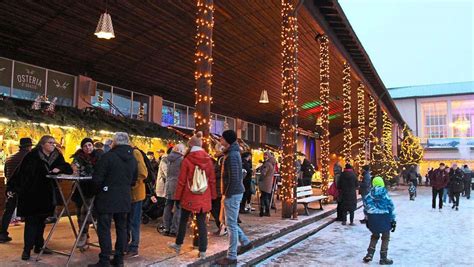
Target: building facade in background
{"type": "Point", "coordinates": [442, 115]}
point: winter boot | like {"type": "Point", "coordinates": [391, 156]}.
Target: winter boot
{"type": "Point", "coordinates": [370, 254]}
{"type": "Point", "coordinates": [384, 260]}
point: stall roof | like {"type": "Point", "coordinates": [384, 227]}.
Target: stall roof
{"type": "Point", "coordinates": [153, 51]}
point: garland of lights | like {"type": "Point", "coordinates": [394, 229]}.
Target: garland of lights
{"type": "Point", "coordinates": [361, 121]}
{"type": "Point", "coordinates": [391, 166]}
{"type": "Point", "coordinates": [289, 41]}
{"type": "Point", "coordinates": [324, 92]}
{"type": "Point", "coordinates": [372, 121]}
{"type": "Point", "coordinates": [346, 102]}
{"type": "Point", "coordinates": [203, 60]}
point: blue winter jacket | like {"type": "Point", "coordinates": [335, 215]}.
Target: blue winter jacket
{"type": "Point", "coordinates": [232, 175]}
{"type": "Point", "coordinates": [379, 209]}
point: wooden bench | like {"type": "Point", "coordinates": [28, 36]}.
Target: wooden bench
{"type": "Point", "coordinates": [304, 195]}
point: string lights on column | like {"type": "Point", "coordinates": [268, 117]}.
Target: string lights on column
{"type": "Point", "coordinates": [324, 96]}
{"type": "Point", "coordinates": [289, 125]}
{"type": "Point", "coordinates": [372, 123]}
{"type": "Point", "coordinates": [204, 60]}
{"type": "Point", "coordinates": [361, 121]}
{"type": "Point", "coordinates": [346, 102]}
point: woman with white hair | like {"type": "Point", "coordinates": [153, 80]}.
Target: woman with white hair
{"type": "Point", "coordinates": [171, 219]}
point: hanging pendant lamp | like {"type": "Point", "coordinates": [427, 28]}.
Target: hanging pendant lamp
{"type": "Point", "coordinates": [104, 29]}
{"type": "Point", "coordinates": [264, 97]}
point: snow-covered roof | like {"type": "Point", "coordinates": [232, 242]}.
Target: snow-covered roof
{"type": "Point", "coordinates": [459, 88]}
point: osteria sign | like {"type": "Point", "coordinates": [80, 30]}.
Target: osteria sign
{"type": "Point", "coordinates": [29, 78]}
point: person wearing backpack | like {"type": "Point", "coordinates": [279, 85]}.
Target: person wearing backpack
{"type": "Point", "coordinates": [195, 190]}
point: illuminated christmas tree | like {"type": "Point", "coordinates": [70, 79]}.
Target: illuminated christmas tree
{"type": "Point", "coordinates": [411, 150]}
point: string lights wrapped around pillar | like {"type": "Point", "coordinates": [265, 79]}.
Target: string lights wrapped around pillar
{"type": "Point", "coordinates": [346, 102]}
{"type": "Point", "coordinates": [361, 155]}
{"type": "Point", "coordinates": [203, 74]}
{"type": "Point", "coordinates": [289, 124]}
{"type": "Point", "coordinates": [324, 96]}
{"type": "Point", "coordinates": [391, 166]}
{"type": "Point", "coordinates": [372, 123]}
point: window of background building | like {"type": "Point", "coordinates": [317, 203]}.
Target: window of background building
{"type": "Point", "coordinates": [122, 100]}
{"type": "Point", "coordinates": [180, 115]}
{"type": "Point", "coordinates": [250, 132]}
{"type": "Point", "coordinates": [231, 123]}
{"type": "Point", "coordinates": [167, 117]}
{"type": "Point", "coordinates": [244, 130]}
{"type": "Point", "coordinates": [434, 120]}
{"type": "Point", "coordinates": [191, 121]}
{"type": "Point", "coordinates": [273, 137]}
{"type": "Point", "coordinates": [218, 124]}
{"type": "Point", "coordinates": [103, 93]}
{"type": "Point", "coordinates": [462, 112]}
{"type": "Point", "coordinates": [257, 133]}
{"type": "Point", "coordinates": [140, 100]}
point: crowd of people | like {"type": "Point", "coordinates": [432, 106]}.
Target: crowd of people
{"type": "Point", "coordinates": [186, 179]}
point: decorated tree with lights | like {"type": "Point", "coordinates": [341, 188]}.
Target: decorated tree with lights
{"type": "Point", "coordinates": [411, 150]}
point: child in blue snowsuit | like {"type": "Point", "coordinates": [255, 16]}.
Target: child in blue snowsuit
{"type": "Point", "coordinates": [380, 219]}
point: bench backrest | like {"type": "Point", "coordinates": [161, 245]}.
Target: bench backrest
{"type": "Point", "coordinates": [304, 191]}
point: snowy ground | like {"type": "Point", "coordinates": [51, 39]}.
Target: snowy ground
{"type": "Point", "coordinates": [422, 238]}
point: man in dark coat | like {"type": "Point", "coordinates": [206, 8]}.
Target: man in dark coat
{"type": "Point", "coordinates": [308, 170]}
{"type": "Point", "coordinates": [12, 198]}
{"type": "Point", "coordinates": [439, 180]}
{"type": "Point", "coordinates": [456, 184]}
{"type": "Point", "coordinates": [113, 176]}
{"type": "Point", "coordinates": [347, 185]}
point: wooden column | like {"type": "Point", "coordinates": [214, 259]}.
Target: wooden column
{"type": "Point", "coordinates": [324, 96]}
{"type": "Point", "coordinates": [289, 123]}
{"type": "Point", "coordinates": [361, 155]}
{"type": "Point", "coordinates": [203, 74]}
{"type": "Point", "coordinates": [203, 77]}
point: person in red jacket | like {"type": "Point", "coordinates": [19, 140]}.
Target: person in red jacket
{"type": "Point", "coordinates": [439, 180]}
{"type": "Point", "coordinates": [199, 204]}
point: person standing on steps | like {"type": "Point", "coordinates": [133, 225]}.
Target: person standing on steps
{"type": "Point", "coordinates": [348, 185]}
{"type": "Point", "coordinates": [439, 180]}
{"type": "Point", "coordinates": [11, 165]}
{"type": "Point", "coordinates": [337, 170]}
{"type": "Point", "coordinates": [233, 190]}
{"type": "Point", "coordinates": [380, 220]}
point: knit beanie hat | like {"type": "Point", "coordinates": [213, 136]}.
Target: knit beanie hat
{"type": "Point", "coordinates": [229, 136]}
{"type": "Point", "coordinates": [196, 140]}
{"type": "Point", "coordinates": [378, 182]}
{"type": "Point", "coordinates": [86, 140]}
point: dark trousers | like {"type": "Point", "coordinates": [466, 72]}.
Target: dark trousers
{"type": "Point", "coordinates": [34, 230]}
{"type": "Point", "coordinates": [104, 221]}
{"type": "Point", "coordinates": [456, 199]}
{"type": "Point", "coordinates": [340, 213]}
{"type": "Point", "coordinates": [438, 192]}
{"type": "Point", "coordinates": [467, 189]}
{"type": "Point", "coordinates": [10, 206]}
{"type": "Point", "coordinates": [265, 202]}
{"type": "Point", "coordinates": [351, 216]}
{"type": "Point", "coordinates": [375, 238]}
{"type": "Point", "coordinates": [216, 211]}
{"type": "Point", "coordinates": [247, 194]}
{"type": "Point", "coordinates": [202, 229]}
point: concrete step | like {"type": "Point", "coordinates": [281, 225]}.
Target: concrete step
{"type": "Point", "coordinates": [265, 251]}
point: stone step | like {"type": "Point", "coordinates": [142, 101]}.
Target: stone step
{"type": "Point", "coordinates": [265, 251]}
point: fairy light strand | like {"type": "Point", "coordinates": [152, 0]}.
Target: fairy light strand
{"type": "Point", "coordinates": [361, 127]}
{"type": "Point", "coordinates": [289, 42]}
{"type": "Point", "coordinates": [204, 61]}
{"type": "Point", "coordinates": [324, 95]}
{"type": "Point", "coordinates": [372, 122]}
{"type": "Point", "coordinates": [346, 102]}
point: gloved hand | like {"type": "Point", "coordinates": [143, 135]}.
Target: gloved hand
{"type": "Point", "coordinates": [394, 226]}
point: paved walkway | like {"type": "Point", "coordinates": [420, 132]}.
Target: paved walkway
{"type": "Point", "coordinates": [422, 238]}
{"type": "Point", "coordinates": [153, 246]}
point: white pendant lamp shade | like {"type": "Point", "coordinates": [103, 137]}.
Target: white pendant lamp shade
{"type": "Point", "coordinates": [264, 97]}
{"type": "Point", "coordinates": [104, 29]}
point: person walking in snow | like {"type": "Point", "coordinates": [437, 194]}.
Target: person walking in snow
{"type": "Point", "coordinates": [456, 184]}
{"type": "Point", "coordinates": [347, 185]}
{"type": "Point", "coordinates": [439, 180]}
{"type": "Point", "coordinates": [380, 219]}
